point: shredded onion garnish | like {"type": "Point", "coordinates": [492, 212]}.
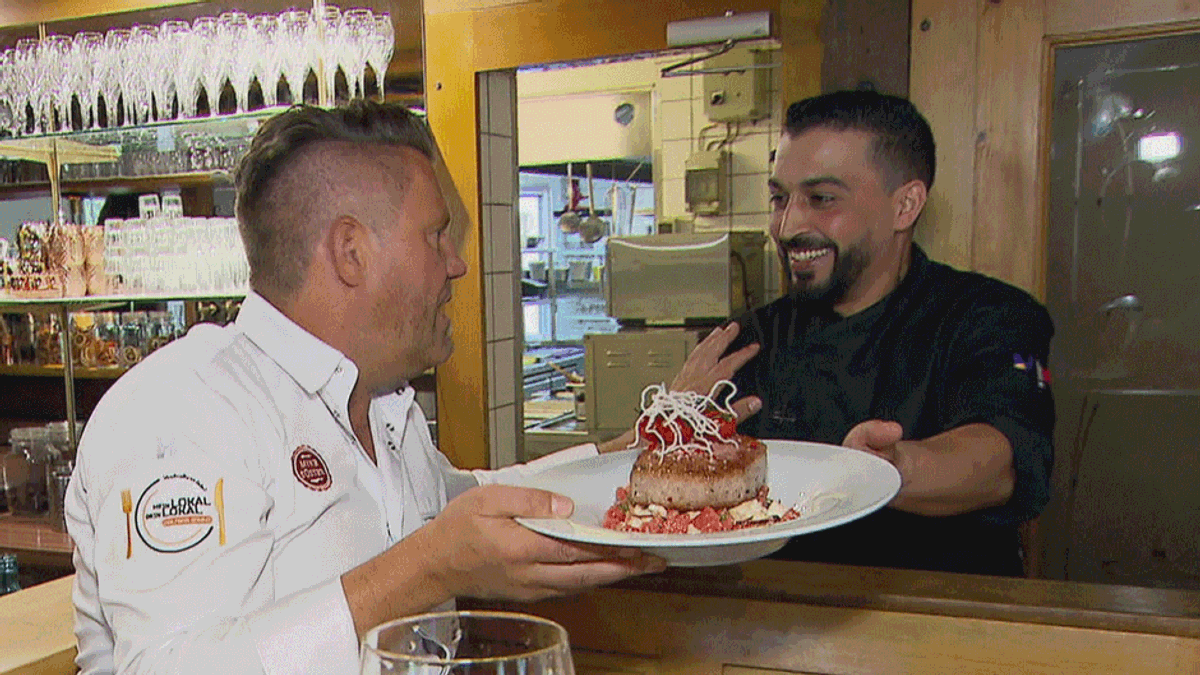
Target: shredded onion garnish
{"type": "Point", "coordinates": [671, 410]}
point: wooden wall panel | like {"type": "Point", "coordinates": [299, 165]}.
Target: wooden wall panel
{"type": "Point", "coordinates": [866, 42]}
{"type": "Point", "coordinates": [942, 85]}
{"type": "Point", "coordinates": [1064, 17]}
{"type": "Point", "coordinates": [1008, 241]}
{"type": "Point", "coordinates": [978, 71]}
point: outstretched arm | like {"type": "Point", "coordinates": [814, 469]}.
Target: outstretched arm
{"type": "Point", "coordinates": [963, 469]}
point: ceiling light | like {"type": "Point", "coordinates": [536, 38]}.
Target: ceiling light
{"type": "Point", "coordinates": [1158, 147]}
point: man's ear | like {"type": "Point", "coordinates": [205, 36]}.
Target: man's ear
{"type": "Point", "coordinates": [908, 200]}
{"type": "Point", "coordinates": [350, 246]}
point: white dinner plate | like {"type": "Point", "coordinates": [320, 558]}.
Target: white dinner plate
{"type": "Point", "coordinates": [830, 485]}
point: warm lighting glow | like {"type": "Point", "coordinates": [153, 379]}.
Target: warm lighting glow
{"type": "Point", "coordinates": [1158, 147]}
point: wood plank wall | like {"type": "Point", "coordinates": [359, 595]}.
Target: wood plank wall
{"type": "Point", "coordinates": [866, 45]}
{"type": "Point", "coordinates": [978, 71]}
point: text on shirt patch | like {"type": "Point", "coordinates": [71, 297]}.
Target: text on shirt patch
{"type": "Point", "coordinates": [174, 513]}
{"type": "Point", "coordinates": [310, 469]}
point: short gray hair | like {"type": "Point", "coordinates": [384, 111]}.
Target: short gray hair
{"type": "Point", "coordinates": [275, 211]}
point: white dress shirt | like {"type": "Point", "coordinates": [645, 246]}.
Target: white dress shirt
{"type": "Point", "coordinates": [220, 493]}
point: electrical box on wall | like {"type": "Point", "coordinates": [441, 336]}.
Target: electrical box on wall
{"type": "Point", "coordinates": [738, 95]}
{"type": "Point", "coordinates": [705, 176]}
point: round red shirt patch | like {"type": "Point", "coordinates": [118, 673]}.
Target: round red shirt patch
{"type": "Point", "coordinates": [310, 469]}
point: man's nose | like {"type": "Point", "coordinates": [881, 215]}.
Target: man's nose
{"type": "Point", "coordinates": [793, 221]}
{"type": "Point", "coordinates": [455, 266]}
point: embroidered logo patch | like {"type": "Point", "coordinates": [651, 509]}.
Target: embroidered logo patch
{"type": "Point", "coordinates": [310, 469]}
{"type": "Point", "coordinates": [1029, 363]}
{"type": "Point", "coordinates": [173, 514]}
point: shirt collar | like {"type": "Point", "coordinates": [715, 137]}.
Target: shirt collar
{"type": "Point", "coordinates": [303, 356]}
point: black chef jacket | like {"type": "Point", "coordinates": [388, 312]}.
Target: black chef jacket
{"type": "Point", "coordinates": [946, 348]}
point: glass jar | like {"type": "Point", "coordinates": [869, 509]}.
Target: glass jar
{"type": "Point", "coordinates": [47, 341]}
{"type": "Point", "coordinates": [25, 469]}
{"type": "Point", "coordinates": [10, 577]}
{"type": "Point", "coordinates": [133, 338]}
{"type": "Point", "coordinates": [108, 337]}
{"type": "Point", "coordinates": [58, 441]}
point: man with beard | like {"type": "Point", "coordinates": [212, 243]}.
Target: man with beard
{"type": "Point", "coordinates": [876, 347]}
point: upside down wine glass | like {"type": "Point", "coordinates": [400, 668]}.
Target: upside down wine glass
{"type": "Point", "coordinates": [380, 45]}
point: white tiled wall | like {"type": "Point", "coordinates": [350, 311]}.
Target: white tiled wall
{"type": "Point", "coordinates": [498, 181]}
{"type": "Point", "coordinates": [681, 121]}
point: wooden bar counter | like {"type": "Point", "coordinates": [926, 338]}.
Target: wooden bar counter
{"type": "Point", "coordinates": [771, 616]}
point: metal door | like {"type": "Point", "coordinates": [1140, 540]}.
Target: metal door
{"type": "Point", "coordinates": [1123, 286]}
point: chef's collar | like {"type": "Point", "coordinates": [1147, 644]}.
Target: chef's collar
{"type": "Point", "coordinates": [303, 356]}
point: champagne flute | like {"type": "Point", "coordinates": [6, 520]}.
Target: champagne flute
{"type": "Point", "coordinates": [460, 642]}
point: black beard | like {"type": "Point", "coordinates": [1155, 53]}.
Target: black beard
{"type": "Point", "coordinates": [847, 269]}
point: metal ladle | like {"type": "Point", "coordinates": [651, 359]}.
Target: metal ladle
{"type": "Point", "coordinates": [569, 221]}
{"type": "Point", "coordinates": [592, 229]}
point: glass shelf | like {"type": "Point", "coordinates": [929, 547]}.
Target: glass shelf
{"type": "Point", "coordinates": [9, 304]}
{"type": "Point", "coordinates": [193, 151]}
{"type": "Point", "coordinates": [80, 373]}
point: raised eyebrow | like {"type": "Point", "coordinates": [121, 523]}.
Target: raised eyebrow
{"type": "Point", "coordinates": [820, 181]}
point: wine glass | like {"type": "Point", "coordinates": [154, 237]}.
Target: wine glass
{"type": "Point", "coordinates": [233, 27]}
{"type": "Point", "coordinates": [57, 54]}
{"type": "Point", "coordinates": [358, 26]}
{"type": "Point", "coordinates": [293, 34]}
{"type": "Point", "coordinates": [141, 69]}
{"type": "Point", "coordinates": [32, 81]}
{"type": "Point", "coordinates": [174, 36]}
{"type": "Point", "coordinates": [9, 117]}
{"type": "Point", "coordinates": [324, 41]}
{"type": "Point", "coordinates": [379, 48]}
{"type": "Point", "coordinates": [88, 47]}
{"type": "Point", "coordinates": [113, 72]}
{"type": "Point", "coordinates": [461, 642]}
{"type": "Point", "coordinates": [215, 59]}
{"type": "Point", "coordinates": [268, 60]}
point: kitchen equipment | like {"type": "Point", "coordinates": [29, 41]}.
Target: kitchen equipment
{"type": "Point", "coordinates": [681, 277]}
{"type": "Point", "coordinates": [593, 228]}
{"type": "Point", "coordinates": [620, 365]}
{"type": "Point", "coordinates": [569, 221]}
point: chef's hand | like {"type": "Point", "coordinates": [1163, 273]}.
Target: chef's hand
{"type": "Point", "coordinates": [707, 364]}
{"type": "Point", "coordinates": [480, 551]}
{"type": "Point", "coordinates": [877, 437]}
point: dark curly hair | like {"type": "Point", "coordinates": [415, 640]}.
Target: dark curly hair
{"type": "Point", "coordinates": [904, 147]}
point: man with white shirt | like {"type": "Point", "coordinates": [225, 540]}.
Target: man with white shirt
{"type": "Point", "coordinates": [251, 499]}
